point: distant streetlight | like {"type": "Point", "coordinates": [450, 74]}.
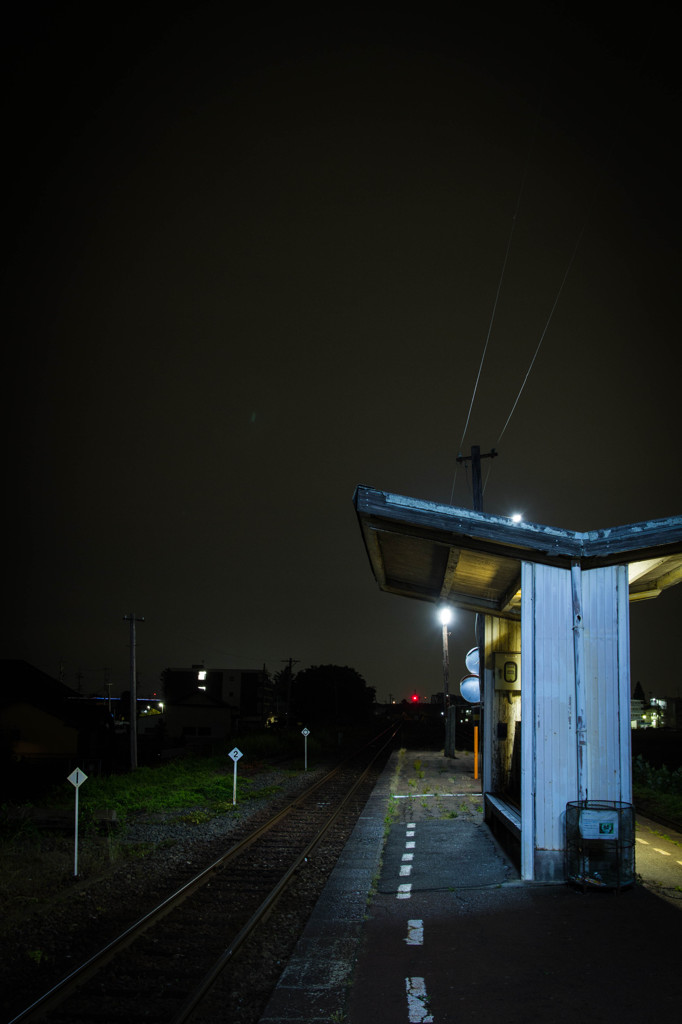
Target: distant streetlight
{"type": "Point", "coordinates": [517, 517]}
{"type": "Point", "coordinates": [445, 616]}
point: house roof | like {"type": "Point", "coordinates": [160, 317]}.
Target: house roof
{"type": "Point", "coordinates": [435, 552]}
{"type": "Point", "coordinates": [20, 681]}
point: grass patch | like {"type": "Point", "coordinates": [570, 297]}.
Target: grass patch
{"type": "Point", "coordinates": [653, 804]}
{"type": "Point", "coordinates": [657, 791]}
{"type": "Point", "coordinates": [38, 862]}
{"type": "Point", "coordinates": [203, 784]}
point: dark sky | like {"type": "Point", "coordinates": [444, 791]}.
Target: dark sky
{"type": "Point", "coordinates": [251, 261]}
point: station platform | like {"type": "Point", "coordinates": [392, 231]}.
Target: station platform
{"type": "Point", "coordinates": [426, 921]}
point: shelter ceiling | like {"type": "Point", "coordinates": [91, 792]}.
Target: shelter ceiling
{"type": "Point", "coordinates": [473, 560]}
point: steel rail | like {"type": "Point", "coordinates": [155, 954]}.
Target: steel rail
{"type": "Point", "coordinates": [59, 992]}
{"type": "Point", "coordinates": [266, 906]}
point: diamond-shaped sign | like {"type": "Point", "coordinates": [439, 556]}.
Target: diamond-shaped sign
{"type": "Point", "coordinates": [77, 777]}
{"type": "Point", "coordinates": [305, 732]}
{"type": "Point", "coordinates": [236, 754]}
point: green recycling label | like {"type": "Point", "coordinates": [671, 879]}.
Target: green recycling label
{"type": "Point", "coordinates": [599, 824]}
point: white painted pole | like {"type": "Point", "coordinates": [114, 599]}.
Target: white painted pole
{"type": "Point", "coordinates": [305, 733]}
{"type": "Point", "coordinates": [75, 839]}
{"type": "Point", "coordinates": [76, 778]}
{"type": "Point", "coordinates": [235, 755]}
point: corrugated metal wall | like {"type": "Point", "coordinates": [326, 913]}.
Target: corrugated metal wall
{"type": "Point", "coordinates": [548, 701]}
{"type": "Point", "coordinates": [548, 696]}
{"type": "Point", "coordinates": [607, 678]}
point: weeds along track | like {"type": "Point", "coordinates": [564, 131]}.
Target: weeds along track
{"type": "Point", "coordinates": [163, 967]}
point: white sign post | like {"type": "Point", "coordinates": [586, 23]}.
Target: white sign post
{"type": "Point", "coordinates": [76, 778]}
{"type": "Point", "coordinates": [235, 755]}
{"type": "Point", "coordinates": [305, 733]}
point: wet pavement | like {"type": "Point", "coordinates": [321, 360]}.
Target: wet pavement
{"type": "Point", "coordinates": [425, 921]}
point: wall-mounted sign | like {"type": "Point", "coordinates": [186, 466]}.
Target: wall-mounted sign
{"type": "Point", "coordinates": [598, 824]}
{"type": "Point", "coordinates": [507, 671]}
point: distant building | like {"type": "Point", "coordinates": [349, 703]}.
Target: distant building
{"type": "Point", "coordinates": [656, 713]}
{"type": "Point", "coordinates": [636, 712]}
{"type": "Point", "coordinates": [206, 704]}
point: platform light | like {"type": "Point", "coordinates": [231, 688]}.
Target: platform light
{"type": "Point", "coordinates": [516, 518]}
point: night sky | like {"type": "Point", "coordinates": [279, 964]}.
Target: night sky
{"type": "Point", "coordinates": [252, 261]}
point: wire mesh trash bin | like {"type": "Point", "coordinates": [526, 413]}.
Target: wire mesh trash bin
{"type": "Point", "coordinates": [600, 844]}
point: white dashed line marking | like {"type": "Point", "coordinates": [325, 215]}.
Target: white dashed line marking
{"type": "Point", "coordinates": [410, 846]}
{"type": "Point", "coordinates": [405, 870]}
{"type": "Point", "coordinates": [644, 842]}
{"type": "Point", "coordinates": [415, 933]}
{"type": "Point", "coordinates": [404, 891]}
{"type": "Point", "coordinates": [416, 1001]}
{"type": "Point", "coordinates": [664, 852]}
{"type": "Point", "coordinates": [408, 856]}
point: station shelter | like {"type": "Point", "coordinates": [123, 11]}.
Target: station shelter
{"type": "Point", "coordinates": [554, 649]}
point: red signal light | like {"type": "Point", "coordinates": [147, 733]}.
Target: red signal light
{"type": "Point", "coordinates": [415, 697]}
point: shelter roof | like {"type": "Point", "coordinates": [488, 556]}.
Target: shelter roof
{"type": "Point", "coordinates": [434, 552]}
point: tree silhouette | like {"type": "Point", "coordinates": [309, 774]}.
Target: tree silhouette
{"type": "Point", "coordinates": [331, 693]}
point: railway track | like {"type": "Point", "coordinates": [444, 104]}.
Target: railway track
{"type": "Point", "coordinates": [164, 966]}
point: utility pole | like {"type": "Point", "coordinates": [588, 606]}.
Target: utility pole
{"type": "Point", "coordinates": [132, 619]}
{"type": "Point", "coordinates": [475, 459]}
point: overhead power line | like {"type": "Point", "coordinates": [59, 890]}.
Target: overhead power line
{"type": "Point", "coordinates": [544, 331]}
{"type": "Point", "coordinates": [497, 297]}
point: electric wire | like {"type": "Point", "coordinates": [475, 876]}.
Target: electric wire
{"type": "Point", "coordinates": [544, 331]}
{"type": "Point", "coordinates": [538, 347]}
{"type": "Point", "coordinates": [497, 295]}
{"type": "Point", "coordinates": [542, 338]}
{"type": "Point", "coordinates": [637, 69]}
{"type": "Point", "coordinates": [490, 327]}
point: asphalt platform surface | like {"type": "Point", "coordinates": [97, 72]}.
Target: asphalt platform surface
{"type": "Point", "coordinates": [425, 921]}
